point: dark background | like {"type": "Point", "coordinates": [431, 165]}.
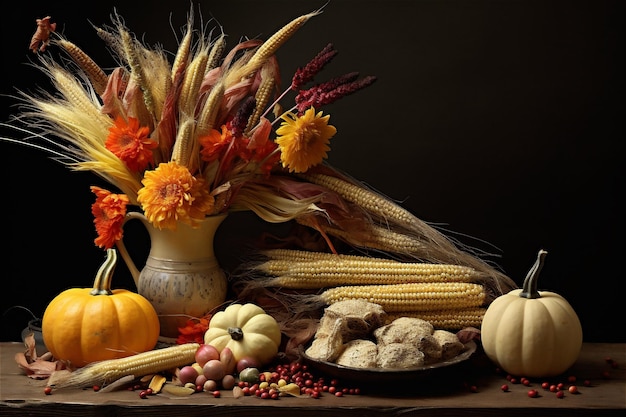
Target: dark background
{"type": "Point", "coordinates": [500, 121]}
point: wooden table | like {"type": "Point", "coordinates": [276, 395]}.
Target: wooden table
{"type": "Point", "coordinates": [452, 396]}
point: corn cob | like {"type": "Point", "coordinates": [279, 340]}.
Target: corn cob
{"type": "Point", "coordinates": [271, 45]}
{"type": "Point", "coordinates": [96, 75]}
{"type": "Point", "coordinates": [262, 98]}
{"type": "Point", "coordinates": [183, 146]}
{"type": "Point", "coordinates": [452, 319]}
{"type": "Point", "coordinates": [369, 200]}
{"type": "Point", "coordinates": [303, 255]}
{"type": "Point", "coordinates": [182, 54]}
{"type": "Point", "coordinates": [105, 372]}
{"type": "Point", "coordinates": [191, 83]}
{"type": "Point", "coordinates": [330, 273]}
{"type": "Point", "coordinates": [413, 296]}
{"type": "Point", "coordinates": [216, 52]}
{"type": "Point", "coordinates": [210, 109]}
{"type": "Point", "coordinates": [375, 237]}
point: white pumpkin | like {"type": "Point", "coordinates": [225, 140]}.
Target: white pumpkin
{"type": "Point", "coordinates": [246, 330]}
{"type": "Point", "coordinates": [530, 333]}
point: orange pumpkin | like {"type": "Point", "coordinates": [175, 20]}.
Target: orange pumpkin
{"type": "Point", "coordinates": [84, 325]}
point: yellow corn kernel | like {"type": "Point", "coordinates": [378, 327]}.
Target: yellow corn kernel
{"type": "Point", "coordinates": [151, 362]}
{"type": "Point", "coordinates": [365, 271]}
{"type": "Point", "coordinates": [451, 319]}
{"type": "Point", "coordinates": [413, 296]}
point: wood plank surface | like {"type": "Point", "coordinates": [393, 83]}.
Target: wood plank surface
{"type": "Point", "coordinates": [449, 395]}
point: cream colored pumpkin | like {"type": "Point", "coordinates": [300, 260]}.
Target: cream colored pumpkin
{"type": "Point", "coordinates": [247, 330]}
{"type": "Point", "coordinates": [530, 333]}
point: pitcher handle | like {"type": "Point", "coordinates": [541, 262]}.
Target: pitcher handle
{"type": "Point", "coordinates": [121, 247]}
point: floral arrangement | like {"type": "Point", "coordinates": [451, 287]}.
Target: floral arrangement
{"type": "Point", "coordinates": [207, 134]}
{"type": "Point", "coordinates": [188, 139]}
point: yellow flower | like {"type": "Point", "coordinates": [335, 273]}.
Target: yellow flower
{"type": "Point", "coordinates": [171, 194]}
{"type": "Point", "coordinates": [303, 140]}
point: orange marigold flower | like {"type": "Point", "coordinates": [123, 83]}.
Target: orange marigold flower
{"type": "Point", "coordinates": [171, 194]}
{"type": "Point", "coordinates": [303, 140]}
{"type": "Point", "coordinates": [130, 143]}
{"type": "Point", "coordinates": [109, 211]}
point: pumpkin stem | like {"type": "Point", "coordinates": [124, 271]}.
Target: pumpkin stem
{"type": "Point", "coordinates": [235, 333]}
{"type": "Point", "coordinates": [102, 283]}
{"type": "Point", "coordinates": [529, 288]}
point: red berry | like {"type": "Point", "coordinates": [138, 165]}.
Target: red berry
{"type": "Point", "coordinates": [216, 394]}
{"type": "Point", "coordinates": [560, 394]}
{"type": "Point", "coordinates": [545, 385]}
{"type": "Point", "coordinates": [587, 383]}
{"type": "Point", "coordinates": [553, 388]}
{"type": "Point", "coordinates": [533, 393]}
{"type": "Point", "coordinates": [96, 388]}
{"type": "Point", "coordinates": [47, 390]}
{"type": "Point", "coordinates": [571, 379]}
{"type": "Point", "coordinates": [573, 389]}
{"type": "Point", "coordinates": [143, 394]}
{"type": "Point", "coordinates": [504, 387]}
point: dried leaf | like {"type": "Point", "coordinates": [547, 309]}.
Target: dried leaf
{"type": "Point", "coordinates": [157, 382]}
{"type": "Point", "coordinates": [237, 392]}
{"type": "Point", "coordinates": [34, 367]}
{"type": "Point", "coordinates": [177, 390]}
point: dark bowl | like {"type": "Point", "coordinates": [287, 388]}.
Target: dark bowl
{"type": "Point", "coordinates": [422, 374]}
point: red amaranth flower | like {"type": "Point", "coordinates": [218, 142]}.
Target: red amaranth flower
{"type": "Point", "coordinates": [306, 74]}
{"type": "Point", "coordinates": [318, 97]}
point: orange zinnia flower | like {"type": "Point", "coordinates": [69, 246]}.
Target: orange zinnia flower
{"type": "Point", "coordinates": [303, 140]}
{"type": "Point", "coordinates": [171, 194]}
{"type": "Point", "coordinates": [109, 211]}
{"type": "Point", "coordinates": [215, 143]}
{"type": "Point", "coordinates": [130, 143]}
{"type": "Point", "coordinates": [194, 330]}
